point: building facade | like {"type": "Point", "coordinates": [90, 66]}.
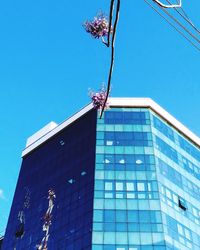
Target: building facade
{"type": "Point", "coordinates": [128, 181]}
{"type": "Point", "coordinates": [1, 242]}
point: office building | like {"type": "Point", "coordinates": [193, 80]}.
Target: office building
{"type": "Point", "coordinates": [128, 181]}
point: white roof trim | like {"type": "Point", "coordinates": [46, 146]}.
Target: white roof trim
{"type": "Point", "coordinates": [43, 131]}
{"type": "Point", "coordinates": [119, 102]}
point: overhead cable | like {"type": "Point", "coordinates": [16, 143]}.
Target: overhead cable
{"type": "Point", "coordinates": [185, 17]}
{"type": "Point", "coordinates": [180, 24]}
{"type": "Point", "coordinates": [179, 5]}
{"type": "Point", "coordinates": [172, 25]}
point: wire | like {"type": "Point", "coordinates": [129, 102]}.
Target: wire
{"type": "Point", "coordinates": [171, 24]}
{"type": "Point", "coordinates": [186, 18]}
{"type": "Point", "coordinates": [163, 8]}
{"type": "Point", "coordinates": [112, 56]}
{"type": "Point", "coordinates": [171, 6]}
{"type": "Point", "coordinates": [180, 24]}
{"type": "Point", "coordinates": [183, 10]}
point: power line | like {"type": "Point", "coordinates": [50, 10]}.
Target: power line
{"type": "Point", "coordinates": [168, 20]}
{"type": "Point", "coordinates": [180, 24]}
{"type": "Point", "coordinates": [185, 17]}
{"type": "Point", "coordinates": [183, 10]}
{"type": "Point", "coordinates": [171, 6]}
{"type": "Point", "coordinates": [171, 24]}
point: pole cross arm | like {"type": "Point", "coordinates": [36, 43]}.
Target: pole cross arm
{"type": "Point", "coordinates": [169, 6]}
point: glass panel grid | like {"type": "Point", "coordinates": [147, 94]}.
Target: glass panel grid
{"type": "Point", "coordinates": [125, 183]}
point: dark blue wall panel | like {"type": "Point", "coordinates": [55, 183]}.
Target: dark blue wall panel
{"type": "Point", "coordinates": [64, 164]}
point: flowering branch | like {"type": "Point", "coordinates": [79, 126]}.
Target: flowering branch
{"type": "Point", "coordinates": [112, 55]}
{"type": "Point", "coordinates": [98, 98]}
{"type": "Point", "coordinates": [100, 28]}
{"type": "Point", "coordinates": [110, 22]}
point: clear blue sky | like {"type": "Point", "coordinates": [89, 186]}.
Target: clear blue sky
{"type": "Point", "coordinates": [48, 62]}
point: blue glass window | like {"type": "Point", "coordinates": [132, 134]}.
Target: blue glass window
{"type": "Point", "coordinates": [127, 139]}
{"type": "Point", "coordinates": [163, 128]}
{"type": "Point", "coordinates": [189, 148]}
{"type": "Point", "coordinates": [109, 216]}
{"type": "Point", "coordinates": [166, 149]}
{"type": "Point", "coordinates": [115, 117]}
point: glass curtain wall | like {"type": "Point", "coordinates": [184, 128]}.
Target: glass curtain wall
{"type": "Point", "coordinates": [127, 213]}
{"type": "Point", "coordinates": [53, 203]}
{"type": "Point", "coordinates": [178, 174]}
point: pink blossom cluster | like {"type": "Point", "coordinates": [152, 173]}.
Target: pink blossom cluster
{"type": "Point", "coordinates": [98, 99]}
{"type": "Point", "coordinates": [98, 28]}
